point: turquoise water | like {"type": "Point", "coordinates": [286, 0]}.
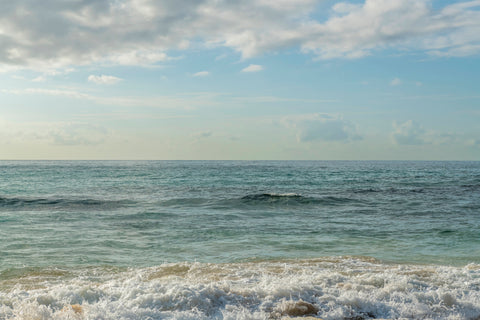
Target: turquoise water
{"type": "Point", "coordinates": [200, 225]}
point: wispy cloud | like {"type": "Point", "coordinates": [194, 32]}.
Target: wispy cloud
{"type": "Point", "coordinates": [322, 127]}
{"type": "Point", "coordinates": [39, 79]}
{"type": "Point", "coordinates": [103, 79]}
{"type": "Point", "coordinates": [53, 133]}
{"type": "Point", "coordinates": [276, 99]}
{"type": "Point", "coordinates": [413, 133]}
{"type": "Point", "coordinates": [409, 133]}
{"type": "Point", "coordinates": [409, 24]}
{"type": "Point", "coordinates": [253, 68]}
{"type": "Point", "coordinates": [50, 92]}
{"type": "Point", "coordinates": [74, 134]}
{"type": "Point", "coordinates": [185, 101]}
{"type": "Point", "coordinates": [395, 82]}
{"type": "Point", "coordinates": [201, 74]}
{"type": "Point", "coordinates": [203, 134]}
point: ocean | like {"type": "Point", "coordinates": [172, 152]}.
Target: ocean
{"type": "Point", "coordinates": [346, 240]}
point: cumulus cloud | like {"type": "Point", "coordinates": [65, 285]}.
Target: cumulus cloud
{"type": "Point", "coordinates": [323, 127]}
{"type": "Point", "coordinates": [201, 74]}
{"type": "Point", "coordinates": [103, 79]}
{"type": "Point", "coordinates": [57, 34]}
{"type": "Point", "coordinates": [253, 68]}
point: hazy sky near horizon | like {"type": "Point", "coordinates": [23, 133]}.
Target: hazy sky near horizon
{"type": "Point", "coordinates": [252, 79]}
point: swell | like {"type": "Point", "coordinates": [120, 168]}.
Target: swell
{"type": "Point", "coordinates": [293, 199]}
{"type": "Point", "coordinates": [19, 203]}
{"type": "Point", "coordinates": [390, 190]}
{"type": "Point", "coordinates": [258, 200]}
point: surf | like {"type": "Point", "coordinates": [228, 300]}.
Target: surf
{"type": "Point", "coordinates": [327, 287]}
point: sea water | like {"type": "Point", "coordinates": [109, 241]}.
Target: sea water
{"type": "Point", "coordinates": [239, 240]}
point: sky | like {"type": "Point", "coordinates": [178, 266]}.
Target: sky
{"type": "Point", "coordinates": [250, 79]}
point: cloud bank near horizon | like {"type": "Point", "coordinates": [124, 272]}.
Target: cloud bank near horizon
{"type": "Point", "coordinates": [57, 34]}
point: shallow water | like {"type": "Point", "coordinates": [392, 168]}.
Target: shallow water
{"type": "Point", "coordinates": [239, 240]}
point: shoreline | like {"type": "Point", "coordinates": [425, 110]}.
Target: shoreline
{"type": "Point", "coordinates": [319, 288]}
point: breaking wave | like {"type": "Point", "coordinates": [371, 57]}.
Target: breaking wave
{"type": "Point", "coordinates": [328, 288]}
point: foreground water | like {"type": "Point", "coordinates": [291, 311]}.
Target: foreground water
{"type": "Point", "coordinates": [239, 240]}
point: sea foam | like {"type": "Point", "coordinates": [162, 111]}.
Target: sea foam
{"type": "Point", "coordinates": [327, 288]}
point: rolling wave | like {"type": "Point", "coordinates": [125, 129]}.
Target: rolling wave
{"type": "Point", "coordinates": [258, 200]}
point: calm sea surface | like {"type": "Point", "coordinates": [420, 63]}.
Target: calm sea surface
{"type": "Point", "coordinates": [239, 240]}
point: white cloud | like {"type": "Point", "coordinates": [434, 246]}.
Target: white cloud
{"type": "Point", "coordinates": [138, 57]}
{"type": "Point", "coordinates": [57, 34]}
{"type": "Point", "coordinates": [413, 133]}
{"type": "Point", "coordinates": [396, 82]}
{"type": "Point", "coordinates": [409, 133]}
{"type": "Point", "coordinates": [357, 30]}
{"type": "Point", "coordinates": [322, 127]}
{"type": "Point", "coordinates": [103, 79]}
{"type": "Point", "coordinates": [74, 134]}
{"type": "Point", "coordinates": [39, 79]}
{"type": "Point", "coordinates": [253, 68]}
{"type": "Point", "coordinates": [50, 92]}
{"type": "Point", "coordinates": [473, 142]}
{"type": "Point", "coordinates": [201, 74]}
{"type": "Point", "coordinates": [186, 101]}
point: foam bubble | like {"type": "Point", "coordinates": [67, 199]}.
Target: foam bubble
{"type": "Point", "coordinates": [330, 288]}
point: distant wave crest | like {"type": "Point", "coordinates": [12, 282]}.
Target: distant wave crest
{"type": "Point", "coordinates": [21, 203]}
{"type": "Point", "coordinates": [293, 199]}
{"type": "Point", "coordinates": [256, 200]}
{"type": "Point", "coordinates": [272, 196]}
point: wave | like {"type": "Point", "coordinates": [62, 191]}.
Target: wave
{"type": "Point", "coordinates": [271, 196]}
{"type": "Point", "coordinates": [244, 202]}
{"type": "Point", "coordinates": [367, 190]}
{"type": "Point", "coordinates": [471, 187]}
{"type": "Point", "coordinates": [16, 203]}
{"type": "Point", "coordinates": [390, 190]}
{"type": "Point", "coordinates": [258, 200]}
{"type": "Point", "coordinates": [328, 288]}
{"type": "Point", "coordinates": [294, 199]}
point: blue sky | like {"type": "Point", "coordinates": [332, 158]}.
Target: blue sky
{"type": "Point", "coordinates": [222, 79]}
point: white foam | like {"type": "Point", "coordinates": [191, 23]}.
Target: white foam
{"type": "Point", "coordinates": [337, 287]}
{"type": "Point", "coordinates": [287, 194]}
